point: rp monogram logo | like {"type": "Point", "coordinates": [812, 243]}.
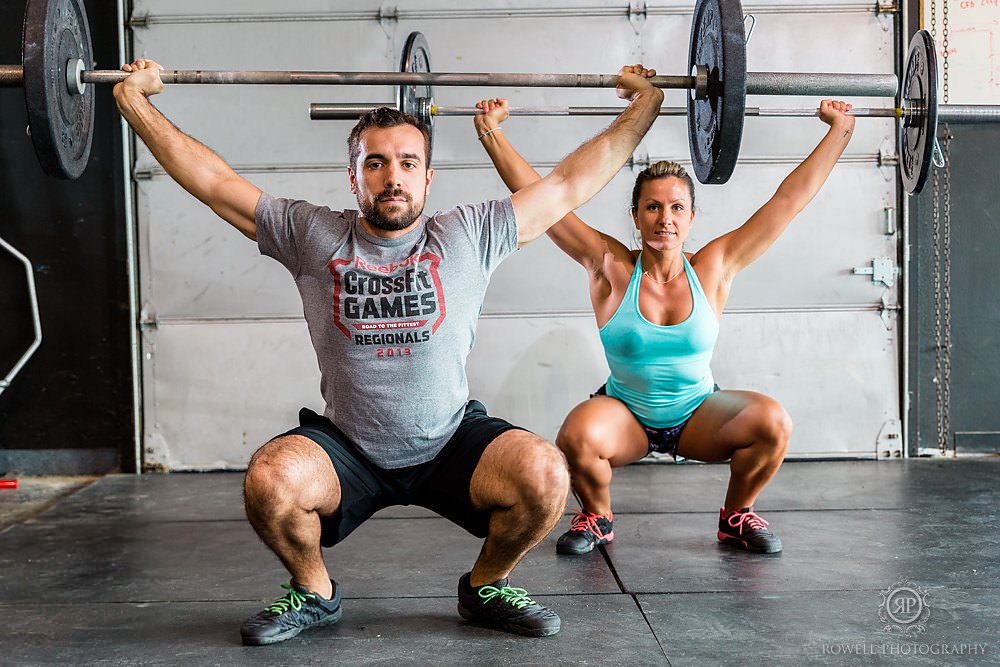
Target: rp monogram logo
{"type": "Point", "coordinates": [904, 609]}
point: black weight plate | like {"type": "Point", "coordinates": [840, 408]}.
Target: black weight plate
{"type": "Point", "coordinates": [61, 123]}
{"type": "Point", "coordinates": [918, 100]}
{"type": "Point", "coordinates": [416, 58]}
{"type": "Point", "coordinates": [715, 124]}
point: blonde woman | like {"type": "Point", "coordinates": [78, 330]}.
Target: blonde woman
{"type": "Point", "coordinates": [657, 311]}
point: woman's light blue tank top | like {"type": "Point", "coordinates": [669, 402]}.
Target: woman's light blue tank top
{"type": "Point", "coordinates": [661, 373]}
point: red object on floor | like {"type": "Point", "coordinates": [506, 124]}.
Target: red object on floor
{"type": "Point", "coordinates": [8, 483]}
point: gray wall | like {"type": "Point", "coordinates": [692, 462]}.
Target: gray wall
{"type": "Point", "coordinates": [975, 283]}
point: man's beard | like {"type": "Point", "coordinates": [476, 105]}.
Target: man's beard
{"type": "Point", "coordinates": [400, 220]}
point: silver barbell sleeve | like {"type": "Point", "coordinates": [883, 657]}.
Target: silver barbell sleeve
{"type": "Point", "coordinates": [819, 84]}
{"type": "Point", "coordinates": [968, 113]}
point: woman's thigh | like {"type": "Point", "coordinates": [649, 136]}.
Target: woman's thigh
{"type": "Point", "coordinates": [725, 422]}
{"type": "Point", "coordinates": [605, 427]}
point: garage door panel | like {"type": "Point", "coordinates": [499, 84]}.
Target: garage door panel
{"type": "Point", "coordinates": [215, 392]}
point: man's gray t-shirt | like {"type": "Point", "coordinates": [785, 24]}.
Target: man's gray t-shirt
{"type": "Point", "coordinates": [392, 320]}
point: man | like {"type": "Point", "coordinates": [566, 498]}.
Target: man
{"type": "Point", "coordinates": [391, 298]}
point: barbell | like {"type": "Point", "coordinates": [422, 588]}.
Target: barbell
{"type": "Point", "coordinates": [57, 51]}
{"type": "Point", "coordinates": [916, 112]}
{"type": "Point", "coordinates": [57, 54]}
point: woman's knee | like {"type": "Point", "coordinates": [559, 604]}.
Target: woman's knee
{"type": "Point", "coordinates": [582, 433]}
{"type": "Point", "coordinates": [774, 425]}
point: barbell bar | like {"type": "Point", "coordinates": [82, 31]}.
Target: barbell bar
{"type": "Point", "coordinates": [57, 50]}
{"type": "Point", "coordinates": [758, 83]}
{"type": "Point", "coordinates": [947, 113]}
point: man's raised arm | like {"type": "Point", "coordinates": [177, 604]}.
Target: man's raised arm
{"type": "Point", "coordinates": [585, 171]}
{"type": "Point", "coordinates": [193, 165]}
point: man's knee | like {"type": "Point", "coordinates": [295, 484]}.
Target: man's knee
{"type": "Point", "coordinates": [284, 470]}
{"type": "Point", "coordinates": [544, 476]}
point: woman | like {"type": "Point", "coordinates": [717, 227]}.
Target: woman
{"type": "Point", "coordinates": [658, 312]}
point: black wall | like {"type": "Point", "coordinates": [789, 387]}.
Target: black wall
{"type": "Point", "coordinates": [70, 408]}
{"type": "Point", "coordinates": [975, 286]}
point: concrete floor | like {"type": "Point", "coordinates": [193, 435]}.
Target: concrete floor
{"type": "Point", "coordinates": [163, 569]}
{"type": "Point", "coordinates": [34, 495]}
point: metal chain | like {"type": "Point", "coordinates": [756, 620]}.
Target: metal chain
{"type": "Point", "coordinates": [936, 278]}
{"type": "Point", "coordinates": [946, 245]}
{"type": "Point", "coordinates": [941, 241]}
{"type": "Point", "coordinates": [938, 329]}
{"type": "Point", "coordinates": [946, 292]}
{"type": "Point", "coordinates": [934, 19]}
{"type": "Point", "coordinates": [944, 50]}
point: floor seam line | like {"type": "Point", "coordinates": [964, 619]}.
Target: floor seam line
{"type": "Point", "coordinates": [656, 637]}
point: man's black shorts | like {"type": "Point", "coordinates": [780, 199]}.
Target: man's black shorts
{"type": "Point", "coordinates": [441, 484]}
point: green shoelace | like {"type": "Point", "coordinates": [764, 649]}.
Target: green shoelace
{"type": "Point", "coordinates": [517, 597]}
{"type": "Point", "coordinates": [292, 600]}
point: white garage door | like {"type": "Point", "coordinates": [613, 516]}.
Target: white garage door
{"type": "Point", "coordinates": [227, 357]}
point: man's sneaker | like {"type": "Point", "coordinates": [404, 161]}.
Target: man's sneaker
{"type": "Point", "coordinates": [497, 605]}
{"type": "Point", "coordinates": [586, 531]}
{"type": "Point", "coordinates": [291, 614]}
{"type": "Point", "coordinates": [746, 530]}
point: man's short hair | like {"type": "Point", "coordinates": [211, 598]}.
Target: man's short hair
{"type": "Point", "coordinates": [385, 117]}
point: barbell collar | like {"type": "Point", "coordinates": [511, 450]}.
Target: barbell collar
{"type": "Point", "coordinates": [74, 80]}
{"type": "Point", "coordinates": [700, 75]}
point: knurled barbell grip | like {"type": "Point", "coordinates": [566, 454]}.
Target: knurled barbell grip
{"type": "Point", "coordinates": [758, 83]}
{"type": "Point", "coordinates": [338, 111]}
{"type": "Point", "coordinates": [302, 77]}
{"type": "Point", "coordinates": [614, 111]}
{"type": "Point", "coordinates": [859, 112]}
{"type": "Point", "coordinates": [947, 113]}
